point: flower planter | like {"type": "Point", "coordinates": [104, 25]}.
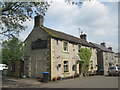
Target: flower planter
{"type": "Point", "coordinates": [54, 79]}
{"type": "Point", "coordinates": [58, 78]}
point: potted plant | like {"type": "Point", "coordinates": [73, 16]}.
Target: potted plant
{"type": "Point", "coordinates": [59, 78]}
{"type": "Point", "coordinates": [54, 79]}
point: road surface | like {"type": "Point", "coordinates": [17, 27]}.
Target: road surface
{"type": "Point", "coordinates": [81, 82]}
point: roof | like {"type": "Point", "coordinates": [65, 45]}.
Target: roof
{"type": "Point", "coordinates": [117, 54]}
{"type": "Point", "coordinates": [105, 49]}
{"type": "Point", "coordinates": [70, 38]}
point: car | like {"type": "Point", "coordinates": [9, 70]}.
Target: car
{"type": "Point", "coordinates": [3, 66]}
{"type": "Point", "coordinates": [114, 70]}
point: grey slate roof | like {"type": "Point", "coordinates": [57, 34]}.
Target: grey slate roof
{"type": "Point", "coordinates": [105, 49]}
{"type": "Point", "coordinates": [70, 38]}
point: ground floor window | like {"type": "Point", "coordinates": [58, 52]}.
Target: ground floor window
{"type": "Point", "coordinates": [66, 66]}
{"type": "Point", "coordinates": [74, 67]}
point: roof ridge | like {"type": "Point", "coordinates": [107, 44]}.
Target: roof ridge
{"type": "Point", "coordinates": [101, 47]}
{"type": "Point", "coordinates": [63, 32]}
{"type": "Point", "coordinates": [62, 35]}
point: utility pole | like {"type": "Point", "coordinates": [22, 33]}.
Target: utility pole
{"type": "Point", "coordinates": [79, 31]}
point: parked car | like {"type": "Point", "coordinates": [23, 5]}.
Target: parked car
{"type": "Point", "coordinates": [92, 73]}
{"type": "Point", "coordinates": [3, 66]}
{"type": "Point", "coordinates": [114, 70]}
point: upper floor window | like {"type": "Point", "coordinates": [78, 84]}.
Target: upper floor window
{"type": "Point", "coordinates": [79, 48]}
{"type": "Point", "coordinates": [65, 46]}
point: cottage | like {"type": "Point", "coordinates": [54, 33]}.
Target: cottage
{"type": "Point", "coordinates": [105, 58]}
{"type": "Point", "coordinates": [47, 50]}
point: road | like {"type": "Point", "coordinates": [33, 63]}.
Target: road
{"type": "Point", "coordinates": [81, 82]}
{"type": "Point", "coordinates": [87, 82]}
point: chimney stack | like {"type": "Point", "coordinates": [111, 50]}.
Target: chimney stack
{"type": "Point", "coordinates": [103, 44]}
{"type": "Point", "coordinates": [83, 36]}
{"type": "Point", "coordinates": [110, 48]}
{"type": "Point", "coordinates": [38, 21]}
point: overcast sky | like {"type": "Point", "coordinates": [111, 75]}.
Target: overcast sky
{"type": "Point", "coordinates": [99, 20]}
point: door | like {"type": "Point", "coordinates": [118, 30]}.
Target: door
{"type": "Point", "coordinates": [80, 68]}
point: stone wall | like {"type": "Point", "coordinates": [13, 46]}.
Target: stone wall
{"type": "Point", "coordinates": [58, 56]}
{"type": "Point", "coordinates": [108, 59]}
{"type": "Point", "coordinates": [36, 61]}
{"type": "Point", "coordinates": [93, 61]}
{"type": "Point", "coordinates": [104, 60]}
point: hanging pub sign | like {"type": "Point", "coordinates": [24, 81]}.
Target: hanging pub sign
{"type": "Point", "coordinates": [39, 44]}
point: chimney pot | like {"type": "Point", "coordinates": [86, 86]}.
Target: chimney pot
{"type": "Point", "coordinates": [103, 44]}
{"type": "Point", "coordinates": [110, 48]}
{"type": "Point", "coordinates": [83, 36]}
{"type": "Point", "coordinates": [38, 20]}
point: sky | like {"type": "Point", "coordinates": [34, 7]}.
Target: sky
{"type": "Point", "coordinates": [98, 20]}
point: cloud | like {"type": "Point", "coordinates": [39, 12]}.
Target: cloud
{"type": "Point", "coordinates": [108, 0]}
{"type": "Point", "coordinates": [98, 20]}
{"type": "Point", "coordinates": [99, 33]}
{"type": "Point", "coordinates": [94, 18]}
{"type": "Point", "coordinates": [113, 45]}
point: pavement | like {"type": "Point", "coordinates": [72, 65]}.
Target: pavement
{"type": "Point", "coordinates": [81, 82]}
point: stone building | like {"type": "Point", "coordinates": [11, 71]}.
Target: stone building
{"type": "Point", "coordinates": [105, 58]}
{"type": "Point", "coordinates": [15, 68]}
{"type": "Point", "coordinates": [47, 50]}
{"type": "Point", "coordinates": [117, 59]}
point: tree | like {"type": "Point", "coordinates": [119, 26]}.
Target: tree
{"type": "Point", "coordinates": [15, 13]}
{"type": "Point", "coordinates": [85, 56]}
{"type": "Point", "coordinates": [12, 49]}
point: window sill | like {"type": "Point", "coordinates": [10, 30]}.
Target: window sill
{"type": "Point", "coordinates": [66, 73]}
{"type": "Point", "coordinates": [65, 51]}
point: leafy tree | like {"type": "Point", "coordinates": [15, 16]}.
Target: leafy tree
{"type": "Point", "coordinates": [85, 56]}
{"type": "Point", "coordinates": [15, 13]}
{"type": "Point", "coordinates": [12, 50]}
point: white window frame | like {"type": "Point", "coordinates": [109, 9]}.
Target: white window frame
{"type": "Point", "coordinates": [65, 50]}
{"type": "Point", "coordinates": [65, 66]}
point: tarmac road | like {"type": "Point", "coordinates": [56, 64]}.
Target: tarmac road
{"type": "Point", "coordinates": [81, 82]}
{"type": "Point", "coordinates": [87, 82]}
